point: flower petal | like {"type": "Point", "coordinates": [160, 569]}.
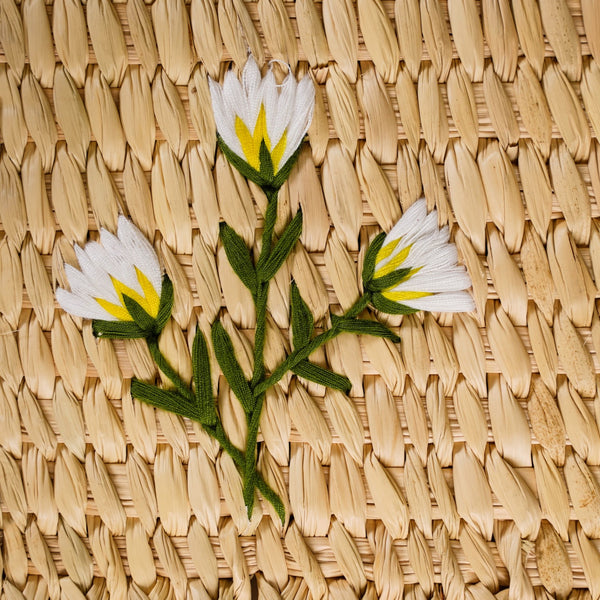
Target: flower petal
{"type": "Point", "coordinates": [224, 119]}
{"type": "Point", "coordinates": [81, 306]}
{"type": "Point", "coordinates": [142, 254]}
{"type": "Point", "coordinates": [302, 116]}
{"type": "Point", "coordinates": [252, 84]}
{"type": "Point", "coordinates": [444, 302]}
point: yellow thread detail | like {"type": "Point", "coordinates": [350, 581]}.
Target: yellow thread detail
{"type": "Point", "coordinates": [386, 250]}
{"type": "Point", "coordinates": [150, 301]}
{"type": "Point", "coordinates": [394, 262]}
{"type": "Point", "coordinates": [117, 311]}
{"type": "Point", "coordinates": [278, 151]}
{"type": "Point", "coordinates": [400, 296]}
{"type": "Point", "coordinates": [251, 142]}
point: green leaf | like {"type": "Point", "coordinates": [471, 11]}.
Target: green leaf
{"type": "Point", "coordinates": [230, 366]}
{"type": "Point", "coordinates": [115, 330]}
{"type": "Point", "coordinates": [282, 248]}
{"type": "Point", "coordinates": [241, 165]}
{"type": "Point", "coordinates": [387, 281]}
{"type": "Point", "coordinates": [284, 172]}
{"type": "Point", "coordinates": [202, 380]}
{"type": "Point", "coordinates": [144, 321]}
{"type": "Point", "coordinates": [238, 256]}
{"type": "Point", "coordinates": [166, 304]}
{"type": "Point", "coordinates": [318, 374]}
{"type": "Point", "coordinates": [169, 400]}
{"type": "Point", "coordinates": [371, 258]}
{"type": "Point", "coordinates": [363, 327]}
{"type": "Point", "coordinates": [266, 162]}
{"type": "Point", "coordinates": [301, 317]}
{"type": "Point", "coordinates": [390, 307]}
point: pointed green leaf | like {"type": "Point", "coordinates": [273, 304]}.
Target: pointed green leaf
{"type": "Point", "coordinates": [241, 165]}
{"type": "Point", "coordinates": [363, 327]}
{"type": "Point", "coordinates": [385, 305]}
{"type": "Point", "coordinates": [317, 374]}
{"type": "Point", "coordinates": [388, 281]}
{"type": "Point", "coordinates": [371, 258]}
{"type": "Point", "coordinates": [114, 330]}
{"type": "Point", "coordinates": [238, 256]}
{"type": "Point", "coordinates": [301, 317]}
{"type": "Point", "coordinates": [166, 304]}
{"type": "Point", "coordinates": [231, 368]}
{"type": "Point", "coordinates": [283, 247]}
{"type": "Point", "coordinates": [169, 400]}
{"type": "Point", "coordinates": [202, 379]}
{"type": "Point", "coordinates": [284, 172]}
{"type": "Point", "coordinates": [140, 316]}
{"type": "Point", "coordinates": [266, 162]}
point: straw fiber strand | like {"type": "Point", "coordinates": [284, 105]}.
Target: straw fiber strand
{"type": "Point", "coordinates": [465, 461]}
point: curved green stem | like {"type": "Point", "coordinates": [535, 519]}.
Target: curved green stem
{"type": "Point", "coordinates": [217, 432]}
{"type": "Point", "coordinates": [163, 364]}
{"type": "Point", "coordinates": [305, 351]}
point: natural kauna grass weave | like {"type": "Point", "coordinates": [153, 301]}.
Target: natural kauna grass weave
{"type": "Point", "coordinates": [465, 463]}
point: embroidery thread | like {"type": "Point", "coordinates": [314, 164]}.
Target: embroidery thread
{"type": "Point", "coordinates": [120, 286]}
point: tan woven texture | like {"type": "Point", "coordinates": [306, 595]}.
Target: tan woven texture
{"type": "Point", "coordinates": [466, 461]}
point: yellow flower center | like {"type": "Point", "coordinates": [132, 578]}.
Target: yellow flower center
{"type": "Point", "coordinates": [251, 142]}
{"type": "Point", "coordinates": [150, 301]}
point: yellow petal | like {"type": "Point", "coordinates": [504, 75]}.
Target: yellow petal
{"type": "Point", "coordinates": [394, 262]}
{"type": "Point", "coordinates": [150, 294]}
{"type": "Point", "coordinates": [116, 310]}
{"type": "Point", "coordinates": [400, 296]}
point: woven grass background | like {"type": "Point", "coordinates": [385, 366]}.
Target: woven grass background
{"type": "Point", "coordinates": [466, 462]}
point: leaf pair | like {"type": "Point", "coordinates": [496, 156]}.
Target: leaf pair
{"type": "Point", "coordinates": [200, 406]}
{"type": "Point", "coordinates": [238, 254]}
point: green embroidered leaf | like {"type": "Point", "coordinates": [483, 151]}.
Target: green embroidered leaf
{"type": "Point", "coordinates": [114, 330]}
{"type": "Point", "coordinates": [301, 318]}
{"type": "Point", "coordinates": [283, 247]}
{"type": "Point", "coordinates": [266, 162]}
{"type": "Point", "coordinates": [166, 304]}
{"type": "Point", "coordinates": [385, 305]}
{"type": "Point", "coordinates": [318, 374]}
{"type": "Point", "coordinates": [230, 366]}
{"type": "Point", "coordinates": [241, 165]}
{"type": "Point", "coordinates": [202, 380]}
{"type": "Point", "coordinates": [284, 172]}
{"type": "Point", "coordinates": [164, 399]}
{"type": "Point", "coordinates": [363, 327]}
{"type": "Point", "coordinates": [238, 256]}
{"type": "Point", "coordinates": [371, 258]}
{"type": "Point", "coordinates": [270, 220]}
{"type": "Point", "coordinates": [387, 281]}
{"type": "Point", "coordinates": [139, 315]}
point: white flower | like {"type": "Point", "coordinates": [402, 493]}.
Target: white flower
{"type": "Point", "coordinates": [256, 109]}
{"type": "Point", "coordinates": [425, 263]}
{"type": "Point", "coordinates": [118, 266]}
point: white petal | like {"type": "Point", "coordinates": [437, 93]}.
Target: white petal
{"type": "Point", "coordinates": [445, 302]}
{"type": "Point", "coordinates": [224, 119]}
{"type": "Point", "coordinates": [301, 118]}
{"type": "Point", "coordinates": [278, 121]}
{"type": "Point", "coordinates": [95, 279]}
{"type": "Point", "coordinates": [252, 84]}
{"type": "Point", "coordinates": [270, 97]}
{"type": "Point", "coordinates": [115, 259]}
{"type": "Point", "coordinates": [142, 252]}
{"type": "Point", "coordinates": [79, 306]}
{"type": "Point", "coordinates": [411, 220]}
{"type": "Point", "coordinates": [234, 97]}
{"type": "Point", "coordinates": [451, 280]}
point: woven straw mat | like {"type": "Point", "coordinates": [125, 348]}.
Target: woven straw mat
{"type": "Point", "coordinates": [465, 462]}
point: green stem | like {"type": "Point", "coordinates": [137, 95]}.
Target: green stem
{"type": "Point", "coordinates": [163, 364]}
{"type": "Point", "coordinates": [217, 432]}
{"type": "Point", "coordinates": [305, 351]}
{"type": "Point", "coordinates": [258, 373]}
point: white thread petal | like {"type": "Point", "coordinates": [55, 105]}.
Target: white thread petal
{"type": "Point", "coordinates": [79, 306]}
{"type": "Point", "coordinates": [114, 255]}
{"type": "Point", "coordinates": [433, 261]}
